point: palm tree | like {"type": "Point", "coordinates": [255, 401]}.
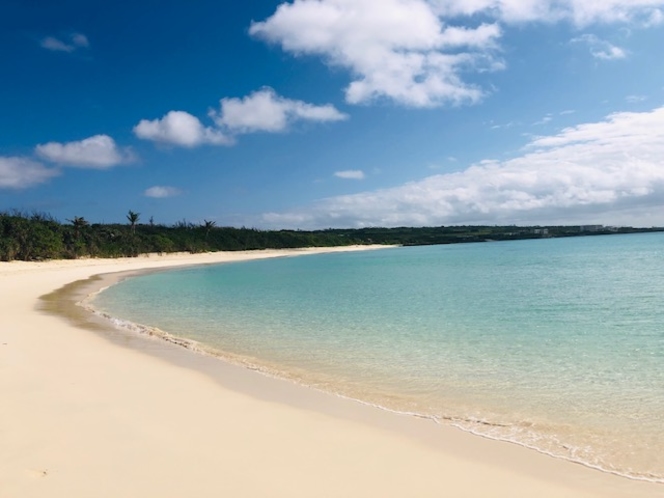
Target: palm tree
{"type": "Point", "coordinates": [133, 217]}
{"type": "Point", "coordinates": [79, 224]}
{"type": "Point", "coordinates": [208, 225]}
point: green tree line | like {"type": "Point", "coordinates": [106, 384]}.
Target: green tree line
{"type": "Point", "coordinates": [39, 236]}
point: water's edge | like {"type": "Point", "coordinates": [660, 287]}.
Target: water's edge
{"type": "Point", "coordinates": [74, 302]}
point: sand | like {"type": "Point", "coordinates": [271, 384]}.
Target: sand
{"type": "Point", "coordinates": [104, 414]}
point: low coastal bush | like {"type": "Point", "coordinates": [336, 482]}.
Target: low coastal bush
{"type": "Point", "coordinates": [38, 236]}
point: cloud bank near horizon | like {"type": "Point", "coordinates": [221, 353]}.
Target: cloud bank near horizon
{"type": "Point", "coordinates": [607, 170]}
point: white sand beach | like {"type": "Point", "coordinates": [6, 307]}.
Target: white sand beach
{"type": "Point", "coordinates": [85, 416]}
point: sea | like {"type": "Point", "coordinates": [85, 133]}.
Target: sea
{"type": "Point", "coordinates": [553, 344]}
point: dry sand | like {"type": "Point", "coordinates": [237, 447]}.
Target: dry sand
{"type": "Point", "coordinates": [85, 416]}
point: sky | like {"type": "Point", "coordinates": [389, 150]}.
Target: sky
{"type": "Point", "coordinates": [334, 113]}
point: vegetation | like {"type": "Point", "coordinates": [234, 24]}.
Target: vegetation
{"type": "Point", "coordinates": [39, 236]}
{"type": "Point", "coordinates": [133, 218]}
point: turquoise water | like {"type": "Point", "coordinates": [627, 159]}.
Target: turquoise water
{"type": "Point", "coordinates": [555, 344]}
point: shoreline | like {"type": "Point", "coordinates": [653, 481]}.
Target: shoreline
{"type": "Point", "coordinates": [79, 301]}
{"type": "Point", "coordinates": [250, 435]}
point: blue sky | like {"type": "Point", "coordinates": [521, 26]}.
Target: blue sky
{"type": "Point", "coordinates": [334, 113]}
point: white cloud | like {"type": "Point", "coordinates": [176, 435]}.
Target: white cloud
{"type": "Point", "coordinates": [80, 40]}
{"type": "Point", "coordinates": [633, 11]}
{"type": "Point", "coordinates": [161, 192]}
{"type": "Point", "coordinates": [97, 152]}
{"type": "Point", "coordinates": [611, 171]}
{"type": "Point", "coordinates": [264, 110]}
{"type": "Point", "coordinates": [635, 99]}
{"type": "Point", "coordinates": [601, 49]}
{"type": "Point", "coordinates": [504, 126]}
{"type": "Point", "coordinates": [656, 18]}
{"type": "Point", "coordinates": [424, 53]}
{"type": "Point", "coordinates": [180, 128]}
{"type": "Point", "coordinates": [395, 49]}
{"type": "Point", "coordinates": [350, 174]}
{"type": "Point", "coordinates": [20, 172]}
{"type": "Point", "coordinates": [546, 119]}
{"type": "Point", "coordinates": [580, 12]}
{"type": "Point", "coordinates": [75, 41]}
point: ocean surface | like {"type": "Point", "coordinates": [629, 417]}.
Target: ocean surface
{"type": "Point", "coordinates": [554, 344]}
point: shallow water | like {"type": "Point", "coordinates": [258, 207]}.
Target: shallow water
{"type": "Point", "coordinates": [556, 344]}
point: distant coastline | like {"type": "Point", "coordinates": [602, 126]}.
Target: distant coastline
{"type": "Point", "coordinates": [39, 236]}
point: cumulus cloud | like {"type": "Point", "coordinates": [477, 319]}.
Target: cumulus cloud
{"type": "Point", "coordinates": [603, 169]}
{"type": "Point", "coordinates": [601, 49]}
{"type": "Point", "coordinates": [74, 42]}
{"type": "Point", "coordinates": [97, 152]}
{"type": "Point", "coordinates": [264, 110]}
{"type": "Point", "coordinates": [21, 172]}
{"type": "Point", "coordinates": [161, 192]}
{"type": "Point", "coordinates": [424, 53]}
{"type": "Point", "coordinates": [350, 174]}
{"type": "Point", "coordinates": [180, 128]}
{"type": "Point", "coordinates": [398, 49]}
{"type": "Point", "coordinates": [656, 18]}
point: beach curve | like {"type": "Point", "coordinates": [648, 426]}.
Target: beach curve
{"type": "Point", "coordinates": [84, 416]}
